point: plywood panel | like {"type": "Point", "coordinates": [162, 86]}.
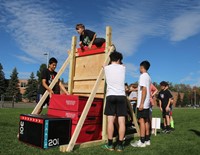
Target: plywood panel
{"type": "Point", "coordinates": [88, 66]}
{"type": "Point", "coordinates": [86, 86]}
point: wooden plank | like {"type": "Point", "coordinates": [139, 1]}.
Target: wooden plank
{"type": "Point", "coordinates": [87, 86]}
{"type": "Point", "coordinates": [94, 143]}
{"type": "Point", "coordinates": [55, 80]}
{"type": "Point", "coordinates": [87, 106]}
{"type": "Point", "coordinates": [133, 117]}
{"type": "Point", "coordinates": [98, 95]}
{"type": "Point", "coordinates": [72, 64]}
{"type": "Point", "coordinates": [108, 44]}
{"type": "Point", "coordinates": [89, 78]}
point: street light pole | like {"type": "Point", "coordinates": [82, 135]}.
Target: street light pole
{"type": "Point", "coordinates": [195, 98]}
{"type": "Point", "coordinates": [47, 58]}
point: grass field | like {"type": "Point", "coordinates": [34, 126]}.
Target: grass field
{"type": "Point", "coordinates": [184, 140]}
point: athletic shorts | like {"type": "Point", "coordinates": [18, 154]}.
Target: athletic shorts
{"type": "Point", "coordinates": [143, 113]}
{"type": "Point", "coordinates": [116, 106]}
{"type": "Point", "coordinates": [46, 102]}
{"type": "Point", "coordinates": [164, 112]}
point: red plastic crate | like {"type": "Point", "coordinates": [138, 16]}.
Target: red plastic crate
{"type": "Point", "coordinates": [76, 104]}
{"type": "Point", "coordinates": [75, 116]}
{"type": "Point", "coordinates": [88, 133]}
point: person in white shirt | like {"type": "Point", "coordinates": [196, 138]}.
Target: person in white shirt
{"type": "Point", "coordinates": [133, 96]}
{"type": "Point", "coordinates": [116, 108]}
{"type": "Point", "coordinates": [143, 105]}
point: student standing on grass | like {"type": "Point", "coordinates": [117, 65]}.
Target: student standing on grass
{"type": "Point", "coordinates": [47, 77]}
{"type": "Point", "coordinates": [143, 105]}
{"type": "Point", "coordinates": [88, 37]}
{"type": "Point", "coordinates": [133, 96]}
{"type": "Point", "coordinates": [153, 91]}
{"type": "Point", "coordinates": [165, 97]}
{"type": "Point", "coordinates": [116, 107]}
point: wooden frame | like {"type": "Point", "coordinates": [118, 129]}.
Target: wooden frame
{"type": "Point", "coordinates": [95, 92]}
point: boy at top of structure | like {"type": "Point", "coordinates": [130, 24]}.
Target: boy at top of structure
{"type": "Point", "coordinates": [47, 76]}
{"type": "Point", "coordinates": [116, 107]}
{"type": "Point", "coordinates": [165, 97]}
{"type": "Point", "coordinates": [143, 105]}
{"type": "Point", "coordinates": [88, 37]}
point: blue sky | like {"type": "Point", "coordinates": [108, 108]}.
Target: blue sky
{"type": "Point", "coordinates": [167, 33]}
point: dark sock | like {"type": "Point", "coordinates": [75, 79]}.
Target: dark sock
{"type": "Point", "coordinates": [110, 142]}
{"type": "Point", "coordinates": [168, 127]}
{"type": "Point", "coordinates": [164, 128]}
{"type": "Point", "coordinates": [120, 143]}
{"type": "Point", "coordinates": [147, 138]}
{"type": "Point", "coordinates": [142, 139]}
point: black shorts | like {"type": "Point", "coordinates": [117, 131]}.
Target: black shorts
{"type": "Point", "coordinates": [99, 42]}
{"type": "Point", "coordinates": [143, 113]}
{"type": "Point", "coordinates": [164, 112]}
{"type": "Point", "coordinates": [116, 106]}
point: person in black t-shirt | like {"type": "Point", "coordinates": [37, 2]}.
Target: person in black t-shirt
{"type": "Point", "coordinates": [88, 37]}
{"type": "Point", "coordinates": [47, 77]}
{"type": "Point", "coordinates": [165, 97]}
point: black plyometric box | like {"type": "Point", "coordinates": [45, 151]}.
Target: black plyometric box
{"type": "Point", "coordinates": [44, 131]}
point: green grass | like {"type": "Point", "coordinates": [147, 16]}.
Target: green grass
{"type": "Point", "coordinates": [184, 140]}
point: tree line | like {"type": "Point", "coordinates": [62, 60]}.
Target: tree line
{"type": "Point", "coordinates": [10, 88]}
{"type": "Point", "coordinates": [191, 94]}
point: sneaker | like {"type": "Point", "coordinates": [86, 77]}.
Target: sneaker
{"type": "Point", "coordinates": [107, 147]}
{"type": "Point", "coordinates": [167, 131]}
{"type": "Point", "coordinates": [119, 148]}
{"type": "Point", "coordinates": [164, 130]}
{"type": "Point", "coordinates": [148, 143]}
{"type": "Point", "coordinates": [138, 144]}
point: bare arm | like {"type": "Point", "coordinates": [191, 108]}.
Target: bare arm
{"type": "Point", "coordinates": [169, 102]}
{"type": "Point", "coordinates": [155, 92]}
{"type": "Point", "coordinates": [144, 94]}
{"type": "Point", "coordinates": [94, 37]}
{"type": "Point", "coordinates": [47, 87]}
{"type": "Point", "coordinates": [160, 104]}
{"type": "Point", "coordinates": [63, 88]}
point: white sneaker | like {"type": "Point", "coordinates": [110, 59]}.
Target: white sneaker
{"type": "Point", "coordinates": [148, 143]}
{"type": "Point", "coordinates": [138, 144]}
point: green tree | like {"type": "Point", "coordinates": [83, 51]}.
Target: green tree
{"type": "Point", "coordinates": [13, 86]}
{"type": "Point", "coordinates": [39, 72]}
{"type": "Point", "coordinates": [186, 99]}
{"type": "Point", "coordinates": [31, 89]}
{"type": "Point", "coordinates": [178, 102]}
{"type": "Point", "coordinates": [2, 81]}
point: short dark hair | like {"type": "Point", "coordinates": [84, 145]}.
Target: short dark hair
{"type": "Point", "coordinates": [53, 60]}
{"type": "Point", "coordinates": [145, 64]}
{"type": "Point", "coordinates": [164, 83]}
{"type": "Point", "coordinates": [115, 56]}
{"type": "Point", "coordinates": [80, 26]}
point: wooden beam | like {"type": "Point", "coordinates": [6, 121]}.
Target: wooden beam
{"type": "Point", "coordinates": [133, 117]}
{"type": "Point", "coordinates": [108, 44]}
{"type": "Point", "coordinates": [55, 80]}
{"type": "Point", "coordinates": [72, 65]}
{"type": "Point", "coordinates": [87, 106]}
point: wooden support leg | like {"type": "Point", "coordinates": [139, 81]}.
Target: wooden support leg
{"type": "Point", "coordinates": [134, 118]}
{"type": "Point", "coordinates": [108, 44]}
